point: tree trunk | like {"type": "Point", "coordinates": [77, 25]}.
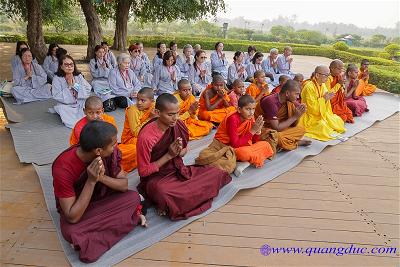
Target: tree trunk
{"type": "Point", "coordinates": [34, 29]}
{"type": "Point", "coordinates": [121, 24]}
{"type": "Point", "coordinates": [95, 35]}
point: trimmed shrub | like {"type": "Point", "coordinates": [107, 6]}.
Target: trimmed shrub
{"type": "Point", "coordinates": [392, 49]}
{"type": "Point", "coordinates": [386, 80]}
{"type": "Point", "coordinates": [341, 46]}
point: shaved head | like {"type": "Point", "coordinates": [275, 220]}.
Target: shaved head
{"type": "Point", "coordinates": [321, 69]}
{"type": "Point", "coordinates": [336, 63]}
{"type": "Point", "coordinates": [147, 92]}
{"type": "Point", "coordinates": [93, 102]}
{"type": "Point", "coordinates": [218, 79]}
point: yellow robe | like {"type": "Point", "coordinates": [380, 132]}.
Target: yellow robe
{"type": "Point", "coordinates": [319, 121]}
{"type": "Point", "coordinates": [134, 121]}
{"type": "Point", "coordinates": [196, 127]}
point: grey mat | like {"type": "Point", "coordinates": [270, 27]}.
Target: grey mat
{"type": "Point", "coordinates": [40, 141]}
{"type": "Point", "coordinates": [381, 106]}
{"type": "Point", "coordinates": [27, 112]}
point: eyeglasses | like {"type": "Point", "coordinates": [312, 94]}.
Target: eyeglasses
{"type": "Point", "coordinates": [68, 64]}
{"type": "Point", "coordinates": [203, 57]}
{"type": "Point", "coordinates": [137, 51]}
{"type": "Point", "coordinates": [324, 74]}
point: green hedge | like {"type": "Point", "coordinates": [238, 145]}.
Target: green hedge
{"type": "Point", "coordinates": [384, 73]}
{"type": "Point", "coordinates": [384, 79]}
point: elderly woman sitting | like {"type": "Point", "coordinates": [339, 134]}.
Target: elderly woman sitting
{"type": "Point", "coordinates": [123, 83]}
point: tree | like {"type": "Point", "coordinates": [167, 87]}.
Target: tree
{"type": "Point", "coordinates": [95, 35]}
{"type": "Point", "coordinates": [36, 13]}
{"type": "Point", "coordinates": [378, 39]}
{"type": "Point", "coordinates": [34, 29]}
{"type": "Point", "coordinates": [156, 11]}
{"type": "Point", "coordinates": [121, 25]}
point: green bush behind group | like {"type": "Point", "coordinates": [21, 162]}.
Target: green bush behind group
{"type": "Point", "coordinates": [384, 73]}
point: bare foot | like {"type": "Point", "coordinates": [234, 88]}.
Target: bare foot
{"type": "Point", "coordinates": [304, 142]}
{"type": "Point", "coordinates": [143, 220]}
{"type": "Point", "coordinates": [161, 212]}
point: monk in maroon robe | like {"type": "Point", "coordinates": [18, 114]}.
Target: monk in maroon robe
{"type": "Point", "coordinates": [96, 208]}
{"type": "Point", "coordinates": [177, 190]}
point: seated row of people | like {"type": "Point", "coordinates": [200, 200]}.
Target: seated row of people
{"type": "Point", "coordinates": [156, 136]}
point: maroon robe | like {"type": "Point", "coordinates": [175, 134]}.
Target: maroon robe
{"type": "Point", "coordinates": [356, 104]}
{"type": "Point", "coordinates": [110, 215]}
{"type": "Point", "coordinates": [182, 191]}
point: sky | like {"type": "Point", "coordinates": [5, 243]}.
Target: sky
{"type": "Point", "coordinates": [362, 13]}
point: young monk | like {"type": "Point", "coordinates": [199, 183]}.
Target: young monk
{"type": "Point", "coordinates": [318, 120]}
{"type": "Point", "coordinates": [135, 117]}
{"type": "Point", "coordinates": [259, 88]}
{"type": "Point", "coordinates": [282, 112]}
{"type": "Point", "coordinates": [214, 101]}
{"type": "Point", "coordinates": [93, 110]}
{"type": "Point", "coordinates": [188, 108]}
{"type": "Point", "coordinates": [356, 104]}
{"type": "Point", "coordinates": [237, 91]}
{"type": "Point", "coordinates": [91, 191]}
{"type": "Point", "coordinates": [282, 80]}
{"type": "Point", "coordinates": [242, 132]}
{"type": "Point", "coordinates": [177, 190]}
{"type": "Point", "coordinates": [335, 85]}
{"type": "Point", "coordinates": [364, 88]}
{"type": "Point", "coordinates": [299, 78]}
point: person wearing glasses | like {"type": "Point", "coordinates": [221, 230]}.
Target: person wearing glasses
{"type": "Point", "coordinates": [138, 66]}
{"type": "Point", "coordinates": [219, 63]}
{"type": "Point", "coordinates": [50, 64]}
{"type": "Point", "coordinates": [364, 87]}
{"type": "Point", "coordinates": [166, 76]}
{"type": "Point", "coordinates": [319, 121]}
{"type": "Point", "coordinates": [29, 80]}
{"type": "Point", "coordinates": [70, 90]}
{"type": "Point", "coordinates": [335, 84]}
{"type": "Point", "coordinates": [199, 74]}
{"type": "Point", "coordinates": [185, 62]}
{"type": "Point", "coordinates": [237, 69]}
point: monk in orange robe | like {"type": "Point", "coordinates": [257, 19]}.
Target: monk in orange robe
{"type": "Point", "coordinates": [237, 91]}
{"type": "Point", "coordinates": [282, 80]}
{"type": "Point", "coordinates": [364, 88]}
{"type": "Point", "coordinates": [335, 85]}
{"type": "Point", "coordinates": [188, 109]}
{"type": "Point", "coordinates": [281, 112]}
{"type": "Point", "coordinates": [259, 88]}
{"type": "Point", "coordinates": [214, 103]}
{"type": "Point", "coordinates": [242, 132]}
{"type": "Point", "coordinates": [93, 111]}
{"type": "Point", "coordinates": [135, 117]}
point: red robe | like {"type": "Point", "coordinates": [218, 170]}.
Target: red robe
{"type": "Point", "coordinates": [356, 104]}
{"type": "Point", "coordinates": [182, 191]}
{"type": "Point", "coordinates": [110, 215]}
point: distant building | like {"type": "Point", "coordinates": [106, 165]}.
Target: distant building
{"type": "Point", "coordinates": [348, 39]}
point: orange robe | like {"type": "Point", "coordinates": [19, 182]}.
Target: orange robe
{"type": "Point", "coordinates": [364, 88]}
{"type": "Point", "coordinates": [338, 103]}
{"type": "Point", "coordinates": [219, 113]}
{"type": "Point", "coordinates": [254, 90]}
{"type": "Point", "coordinates": [196, 127]}
{"type": "Point", "coordinates": [76, 131]}
{"type": "Point", "coordinates": [277, 89]}
{"type": "Point", "coordinates": [134, 121]}
{"type": "Point", "coordinates": [287, 139]}
{"type": "Point", "coordinates": [254, 152]}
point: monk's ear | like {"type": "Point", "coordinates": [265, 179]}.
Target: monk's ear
{"type": "Point", "coordinates": [157, 112]}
